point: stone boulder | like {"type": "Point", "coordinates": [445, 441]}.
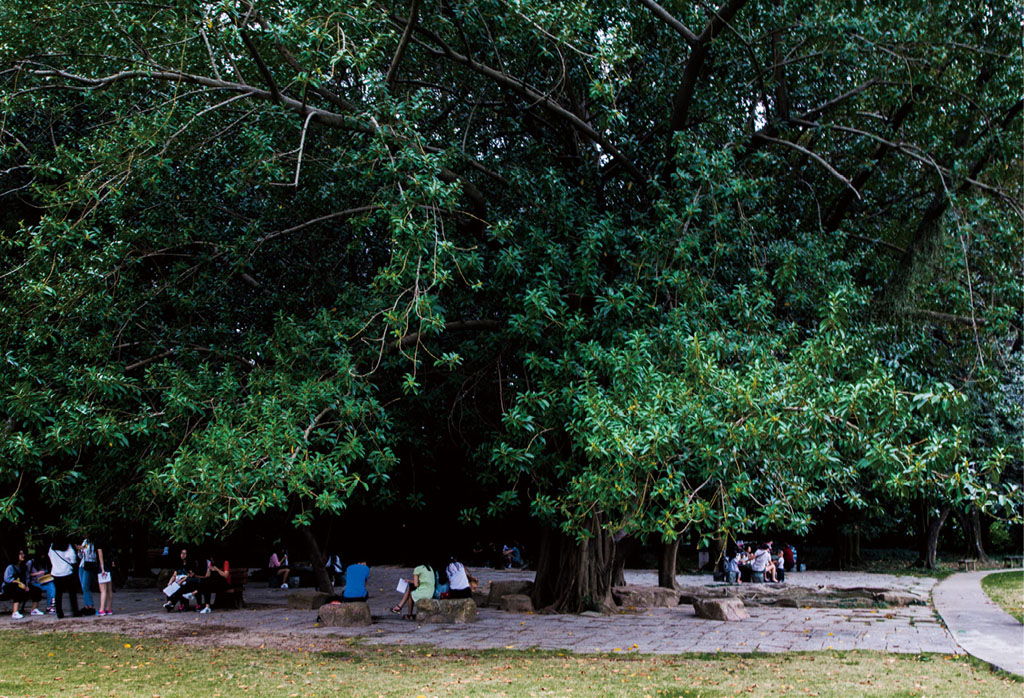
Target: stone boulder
{"type": "Point", "coordinates": [645, 597]}
{"type": "Point", "coordinates": [446, 611]}
{"type": "Point", "coordinates": [517, 603]}
{"type": "Point", "coordinates": [345, 614]}
{"type": "Point", "coordinates": [506, 587]}
{"type": "Point", "coordinates": [307, 599]}
{"type": "Point", "coordinates": [720, 609]}
{"type": "Point", "coordinates": [899, 598]}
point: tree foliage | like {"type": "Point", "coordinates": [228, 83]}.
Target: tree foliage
{"type": "Point", "coordinates": [682, 266]}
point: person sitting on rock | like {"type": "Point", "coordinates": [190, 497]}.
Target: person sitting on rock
{"type": "Point", "coordinates": [420, 587]}
{"type": "Point", "coordinates": [732, 568]}
{"type": "Point", "coordinates": [760, 563]}
{"type": "Point", "coordinates": [459, 586]}
{"type": "Point", "coordinates": [356, 576]}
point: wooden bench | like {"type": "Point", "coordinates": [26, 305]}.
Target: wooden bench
{"type": "Point", "coordinates": [967, 564]}
{"type": "Point", "coordinates": [1013, 561]}
{"type": "Point", "coordinates": [234, 595]}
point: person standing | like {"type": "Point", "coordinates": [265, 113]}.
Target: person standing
{"type": "Point", "coordinates": [106, 581]}
{"type": "Point", "coordinates": [62, 566]}
{"type": "Point", "coordinates": [88, 566]}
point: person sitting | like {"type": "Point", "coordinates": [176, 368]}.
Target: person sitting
{"type": "Point", "coordinates": [356, 576]}
{"type": "Point", "coordinates": [216, 580]}
{"type": "Point", "coordinates": [39, 577]}
{"type": "Point", "coordinates": [512, 556]}
{"type": "Point", "coordinates": [16, 587]}
{"type": "Point", "coordinates": [732, 568]}
{"type": "Point", "coordinates": [420, 587]}
{"type": "Point", "coordinates": [188, 577]}
{"type": "Point", "coordinates": [759, 564]}
{"type": "Point", "coordinates": [459, 585]}
{"type": "Point", "coordinates": [279, 569]}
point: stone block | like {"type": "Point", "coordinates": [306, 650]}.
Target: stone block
{"type": "Point", "coordinates": [517, 603]}
{"type": "Point", "coordinates": [899, 598]}
{"type": "Point", "coordinates": [345, 614]}
{"type": "Point", "coordinates": [720, 609]}
{"type": "Point", "coordinates": [645, 596]}
{"type": "Point", "coordinates": [506, 587]}
{"type": "Point", "coordinates": [307, 599]}
{"type": "Point", "coordinates": [446, 611]}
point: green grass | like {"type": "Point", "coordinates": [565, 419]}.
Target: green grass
{"type": "Point", "coordinates": [1007, 590]}
{"type": "Point", "coordinates": [94, 664]}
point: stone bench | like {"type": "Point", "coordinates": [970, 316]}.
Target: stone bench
{"type": "Point", "coordinates": [446, 611]}
{"type": "Point", "coordinates": [344, 614]}
{"type": "Point", "coordinates": [967, 563]}
{"type": "Point", "coordinates": [499, 589]}
{"type": "Point", "coordinates": [720, 609]}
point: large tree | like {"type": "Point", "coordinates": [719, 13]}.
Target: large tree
{"type": "Point", "coordinates": [684, 266]}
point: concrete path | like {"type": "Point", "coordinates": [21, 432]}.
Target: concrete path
{"type": "Point", "coordinates": [267, 621]}
{"type": "Point", "coordinates": [979, 626]}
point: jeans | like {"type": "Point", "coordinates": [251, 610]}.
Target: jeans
{"type": "Point", "coordinates": [48, 589]}
{"type": "Point", "coordinates": [86, 578]}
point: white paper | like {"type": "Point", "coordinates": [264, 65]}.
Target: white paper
{"type": "Point", "coordinates": [402, 586]}
{"type": "Point", "coordinates": [103, 578]}
{"type": "Point", "coordinates": [171, 588]}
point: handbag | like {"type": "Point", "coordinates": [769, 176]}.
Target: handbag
{"type": "Point", "coordinates": [45, 578]}
{"type": "Point", "coordinates": [103, 578]}
{"type": "Point", "coordinates": [90, 565]}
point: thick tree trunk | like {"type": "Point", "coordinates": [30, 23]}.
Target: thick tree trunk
{"type": "Point", "coordinates": [323, 580]}
{"type": "Point", "coordinates": [574, 577]}
{"type": "Point", "coordinates": [932, 540]}
{"type": "Point", "coordinates": [667, 564]}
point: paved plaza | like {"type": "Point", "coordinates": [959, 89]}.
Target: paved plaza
{"type": "Point", "coordinates": [268, 621]}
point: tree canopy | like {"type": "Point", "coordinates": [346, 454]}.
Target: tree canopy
{"type": "Point", "coordinates": [649, 268]}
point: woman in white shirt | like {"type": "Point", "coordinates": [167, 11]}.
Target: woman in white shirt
{"type": "Point", "coordinates": [458, 580]}
{"type": "Point", "coordinates": [760, 563]}
{"type": "Point", "coordinates": [62, 567]}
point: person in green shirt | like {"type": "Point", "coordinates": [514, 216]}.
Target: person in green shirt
{"type": "Point", "coordinates": [420, 587]}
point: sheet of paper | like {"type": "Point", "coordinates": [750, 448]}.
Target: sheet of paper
{"type": "Point", "coordinates": [402, 586]}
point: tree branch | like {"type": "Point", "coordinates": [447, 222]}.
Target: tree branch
{"type": "Point", "coordinates": [414, 337]}
{"type": "Point", "coordinates": [403, 43]}
{"type": "Point", "coordinates": [814, 156]}
{"type": "Point", "coordinates": [663, 14]}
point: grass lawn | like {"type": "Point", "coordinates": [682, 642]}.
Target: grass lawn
{"type": "Point", "coordinates": [94, 664]}
{"type": "Point", "coordinates": [1007, 590]}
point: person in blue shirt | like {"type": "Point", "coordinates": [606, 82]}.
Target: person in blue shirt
{"type": "Point", "coordinates": [355, 582]}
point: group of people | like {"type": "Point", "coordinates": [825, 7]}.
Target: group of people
{"type": "Point", "coordinates": [66, 568]}
{"type": "Point", "coordinates": [449, 581]}
{"type": "Point", "coordinates": [747, 562]}
{"type": "Point", "coordinates": [196, 579]}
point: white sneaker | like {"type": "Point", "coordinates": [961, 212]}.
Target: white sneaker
{"type": "Point", "coordinates": [37, 612]}
{"type": "Point", "coordinates": [190, 596]}
{"type": "Point", "coordinates": [16, 615]}
{"type": "Point", "coordinates": [205, 610]}
{"type": "Point", "coordinates": [284, 586]}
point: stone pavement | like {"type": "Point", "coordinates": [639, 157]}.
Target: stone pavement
{"type": "Point", "coordinates": [268, 621]}
{"type": "Point", "coordinates": [979, 626]}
